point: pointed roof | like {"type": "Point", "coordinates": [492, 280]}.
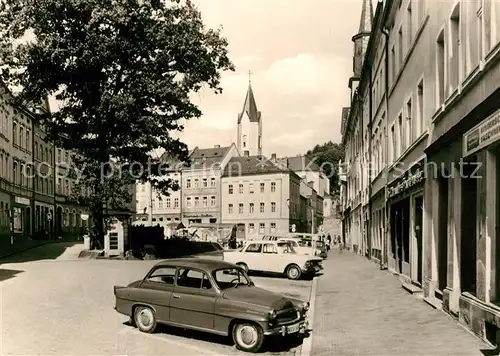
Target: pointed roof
{"type": "Point", "coordinates": [250, 107]}
{"type": "Point", "coordinates": [365, 25]}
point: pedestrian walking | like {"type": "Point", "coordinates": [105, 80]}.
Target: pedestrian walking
{"type": "Point", "coordinates": [328, 242]}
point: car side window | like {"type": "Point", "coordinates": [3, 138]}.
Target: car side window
{"type": "Point", "coordinates": [256, 248]}
{"type": "Point", "coordinates": [270, 248]}
{"type": "Point", "coordinates": [191, 278]}
{"type": "Point", "coordinates": [163, 275]}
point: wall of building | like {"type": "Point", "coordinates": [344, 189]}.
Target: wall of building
{"type": "Point", "coordinates": [261, 202]}
{"type": "Point", "coordinates": [443, 80]}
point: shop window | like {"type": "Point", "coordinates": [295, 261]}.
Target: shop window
{"type": "Point", "coordinates": [18, 219]}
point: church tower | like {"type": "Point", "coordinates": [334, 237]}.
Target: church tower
{"type": "Point", "coordinates": [361, 44]}
{"type": "Point", "coordinates": [250, 127]}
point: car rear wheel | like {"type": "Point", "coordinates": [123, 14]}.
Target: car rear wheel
{"type": "Point", "coordinates": [248, 337]}
{"type": "Point", "coordinates": [145, 319]}
{"type": "Point", "coordinates": [243, 266]}
{"type": "Point", "coordinates": [293, 272]}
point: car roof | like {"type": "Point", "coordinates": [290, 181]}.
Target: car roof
{"type": "Point", "coordinates": [201, 263]}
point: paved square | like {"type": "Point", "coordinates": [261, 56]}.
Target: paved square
{"type": "Point", "coordinates": [361, 310]}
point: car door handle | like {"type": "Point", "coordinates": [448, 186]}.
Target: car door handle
{"type": "Point", "coordinates": [175, 296]}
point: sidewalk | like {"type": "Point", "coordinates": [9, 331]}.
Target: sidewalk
{"type": "Point", "coordinates": [361, 310]}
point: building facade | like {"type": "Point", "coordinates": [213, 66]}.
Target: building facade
{"type": "Point", "coordinates": [354, 139]}
{"type": "Point", "coordinates": [462, 262]}
{"type": "Point", "coordinates": [430, 142]}
{"type": "Point", "coordinates": [67, 220]}
{"type": "Point", "coordinates": [201, 184]}
{"type": "Point", "coordinates": [44, 188]}
{"type": "Point", "coordinates": [154, 208]}
{"type": "Point", "coordinates": [260, 195]}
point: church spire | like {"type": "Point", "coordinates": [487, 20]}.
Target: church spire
{"type": "Point", "coordinates": [365, 25]}
{"type": "Point", "coordinates": [361, 38]}
{"type": "Point", "coordinates": [249, 125]}
{"type": "Point", "coordinates": [249, 106]}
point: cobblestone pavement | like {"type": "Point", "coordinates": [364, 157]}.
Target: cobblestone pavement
{"type": "Point", "coordinates": [361, 310]}
{"type": "Point", "coordinates": [65, 307]}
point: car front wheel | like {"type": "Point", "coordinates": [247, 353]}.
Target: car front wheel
{"type": "Point", "coordinates": [293, 272]}
{"type": "Point", "coordinates": [145, 319]}
{"type": "Point", "coordinates": [248, 337]}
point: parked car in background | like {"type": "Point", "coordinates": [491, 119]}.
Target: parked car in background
{"type": "Point", "coordinates": [212, 296]}
{"type": "Point", "coordinates": [274, 257]}
{"type": "Point", "coordinates": [302, 244]}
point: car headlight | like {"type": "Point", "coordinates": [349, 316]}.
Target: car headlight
{"type": "Point", "coordinates": [272, 314]}
{"type": "Point", "coordinates": [306, 306]}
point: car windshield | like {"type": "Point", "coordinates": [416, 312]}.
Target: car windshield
{"type": "Point", "coordinates": [285, 247]}
{"type": "Point", "coordinates": [231, 278]}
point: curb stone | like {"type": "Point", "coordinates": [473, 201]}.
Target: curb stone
{"type": "Point", "coordinates": [306, 347]}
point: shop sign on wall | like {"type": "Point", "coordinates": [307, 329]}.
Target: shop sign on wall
{"type": "Point", "coordinates": [406, 183]}
{"type": "Point", "coordinates": [482, 135]}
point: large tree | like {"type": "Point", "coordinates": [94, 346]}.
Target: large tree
{"type": "Point", "coordinates": [123, 72]}
{"type": "Point", "coordinates": [327, 156]}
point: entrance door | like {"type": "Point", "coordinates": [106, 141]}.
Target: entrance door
{"type": "Point", "coordinates": [442, 236]}
{"type": "Point", "coordinates": [417, 227]}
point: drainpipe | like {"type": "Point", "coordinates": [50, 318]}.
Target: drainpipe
{"type": "Point", "coordinates": [384, 258]}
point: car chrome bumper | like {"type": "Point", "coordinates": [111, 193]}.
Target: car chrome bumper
{"type": "Point", "coordinates": [303, 327]}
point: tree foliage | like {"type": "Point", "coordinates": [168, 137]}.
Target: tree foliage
{"type": "Point", "coordinates": [123, 71]}
{"type": "Point", "coordinates": [328, 156]}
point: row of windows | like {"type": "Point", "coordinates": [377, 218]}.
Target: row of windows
{"type": "Point", "coordinates": [251, 188]}
{"type": "Point", "coordinates": [21, 136]}
{"type": "Point", "coordinates": [167, 203]}
{"type": "Point", "coordinates": [189, 201]}
{"type": "Point", "coordinates": [262, 228]}
{"type": "Point", "coordinates": [204, 183]}
{"type": "Point", "coordinates": [251, 208]}
{"type": "Point", "coordinates": [43, 153]}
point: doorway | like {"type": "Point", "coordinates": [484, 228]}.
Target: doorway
{"type": "Point", "coordinates": [417, 228]}
{"type": "Point", "coordinates": [442, 235]}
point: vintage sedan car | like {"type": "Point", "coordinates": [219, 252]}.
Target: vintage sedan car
{"type": "Point", "coordinates": [212, 296]}
{"type": "Point", "coordinates": [274, 257]}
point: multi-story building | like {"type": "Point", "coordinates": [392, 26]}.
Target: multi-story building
{"type": "Point", "coordinates": [201, 184]}
{"type": "Point", "coordinates": [313, 208]}
{"type": "Point", "coordinates": [430, 143]}
{"type": "Point", "coordinates": [260, 195]}
{"type": "Point", "coordinates": [154, 208]}
{"type": "Point", "coordinates": [68, 221]}
{"type": "Point", "coordinates": [43, 184]}
{"type": "Point", "coordinates": [462, 195]}
{"type": "Point", "coordinates": [21, 177]}
{"type": "Point", "coordinates": [354, 137]}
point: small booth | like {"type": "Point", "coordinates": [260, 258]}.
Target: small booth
{"type": "Point", "coordinates": [115, 239]}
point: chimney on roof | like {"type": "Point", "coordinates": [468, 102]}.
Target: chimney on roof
{"type": "Point", "coordinates": [216, 146]}
{"type": "Point", "coordinates": [246, 153]}
{"type": "Point", "coordinates": [273, 156]}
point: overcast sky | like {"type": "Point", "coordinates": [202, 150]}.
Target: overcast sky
{"type": "Point", "coordinates": [300, 53]}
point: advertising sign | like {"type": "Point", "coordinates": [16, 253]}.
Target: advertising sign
{"type": "Point", "coordinates": [482, 135]}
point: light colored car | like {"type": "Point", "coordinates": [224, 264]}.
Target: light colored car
{"type": "Point", "coordinates": [274, 257]}
{"type": "Point", "coordinates": [299, 244]}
